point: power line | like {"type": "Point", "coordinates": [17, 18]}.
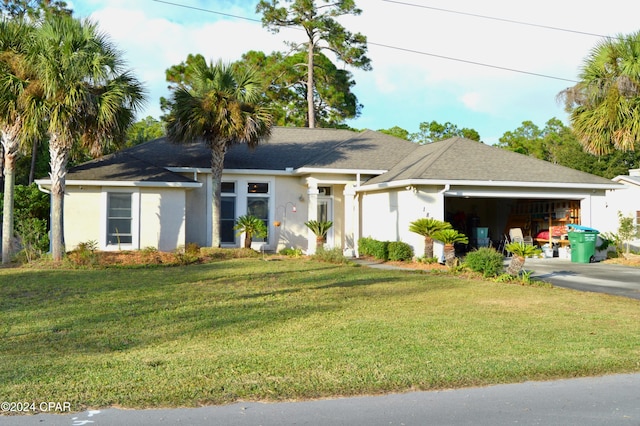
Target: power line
{"type": "Point", "coordinates": [386, 46]}
{"type": "Point", "coordinates": [548, 27]}
{"type": "Point", "coordinates": [449, 58]}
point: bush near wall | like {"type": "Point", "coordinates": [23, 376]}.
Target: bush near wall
{"type": "Point", "coordinates": [400, 251]}
{"type": "Point", "coordinates": [485, 260]}
{"type": "Point", "coordinates": [369, 247]}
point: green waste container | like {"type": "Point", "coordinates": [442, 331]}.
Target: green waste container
{"type": "Point", "coordinates": [583, 246]}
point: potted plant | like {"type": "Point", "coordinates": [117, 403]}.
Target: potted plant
{"type": "Point", "coordinates": [519, 252]}
{"type": "Point", "coordinates": [320, 229]}
{"type": "Point", "coordinates": [251, 226]}
{"type": "Point", "coordinates": [426, 227]}
{"type": "Point", "coordinates": [449, 237]}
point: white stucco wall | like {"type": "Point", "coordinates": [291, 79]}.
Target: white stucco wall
{"type": "Point", "coordinates": [162, 218]}
{"type": "Point", "coordinates": [386, 216]}
{"type": "Point", "coordinates": [82, 215]}
{"type": "Point", "coordinates": [626, 201]}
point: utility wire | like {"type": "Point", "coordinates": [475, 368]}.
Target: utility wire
{"type": "Point", "coordinates": [386, 46]}
{"type": "Point", "coordinates": [548, 27]}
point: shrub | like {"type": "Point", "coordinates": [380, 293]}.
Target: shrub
{"type": "Point", "coordinates": [485, 260]}
{"type": "Point", "coordinates": [34, 238]}
{"type": "Point", "coordinates": [370, 247]}
{"type": "Point", "coordinates": [400, 251]}
{"type": "Point", "coordinates": [333, 255]}
{"type": "Point", "coordinates": [292, 252]}
{"type": "Point", "coordinates": [84, 254]}
{"type": "Point", "coordinates": [364, 246]}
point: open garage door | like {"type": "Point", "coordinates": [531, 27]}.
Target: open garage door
{"type": "Point", "coordinates": [486, 220]}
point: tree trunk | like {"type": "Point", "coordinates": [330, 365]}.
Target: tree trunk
{"type": "Point", "coordinates": [516, 264]}
{"type": "Point", "coordinates": [319, 243]}
{"type": "Point", "coordinates": [247, 239]}
{"type": "Point", "coordinates": [218, 150]}
{"type": "Point", "coordinates": [428, 247]}
{"type": "Point", "coordinates": [310, 85]}
{"type": "Point", "coordinates": [10, 148]}
{"type": "Point", "coordinates": [58, 162]}
{"type": "Point", "coordinates": [449, 255]}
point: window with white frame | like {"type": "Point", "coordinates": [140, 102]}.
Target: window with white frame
{"type": "Point", "coordinates": [258, 203]}
{"type": "Point", "coordinates": [227, 212]}
{"type": "Point", "coordinates": [119, 218]}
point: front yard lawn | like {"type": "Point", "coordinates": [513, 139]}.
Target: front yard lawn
{"type": "Point", "coordinates": [249, 329]}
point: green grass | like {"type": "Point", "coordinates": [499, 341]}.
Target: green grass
{"type": "Point", "coordinates": [254, 330]}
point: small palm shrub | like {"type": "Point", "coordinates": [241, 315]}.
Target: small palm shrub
{"type": "Point", "coordinates": [320, 230]}
{"type": "Point", "coordinates": [486, 260]}
{"type": "Point", "coordinates": [400, 251]}
{"type": "Point", "coordinates": [251, 226]}
{"type": "Point", "coordinates": [427, 227]}
{"type": "Point", "coordinates": [449, 237]}
{"type": "Point", "coordinates": [520, 251]}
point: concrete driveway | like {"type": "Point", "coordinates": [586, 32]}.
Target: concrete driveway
{"type": "Point", "coordinates": [597, 277]}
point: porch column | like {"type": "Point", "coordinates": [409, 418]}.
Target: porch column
{"type": "Point", "coordinates": [312, 212]}
{"type": "Point", "coordinates": [350, 220]}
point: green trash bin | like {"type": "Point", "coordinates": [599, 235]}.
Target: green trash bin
{"type": "Point", "coordinates": [583, 246]}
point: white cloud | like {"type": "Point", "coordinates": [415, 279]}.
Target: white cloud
{"type": "Point", "coordinates": [408, 83]}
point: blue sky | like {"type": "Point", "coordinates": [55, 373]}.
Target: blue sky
{"type": "Point", "coordinates": [404, 88]}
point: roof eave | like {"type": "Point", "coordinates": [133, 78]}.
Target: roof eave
{"type": "Point", "coordinates": [490, 183]}
{"type": "Point", "coordinates": [46, 183]}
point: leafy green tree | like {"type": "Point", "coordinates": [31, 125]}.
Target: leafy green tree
{"type": "Point", "coordinates": [396, 131]}
{"type": "Point", "coordinates": [34, 10]}
{"type": "Point", "coordinates": [144, 130]}
{"type": "Point", "coordinates": [90, 99]}
{"type": "Point", "coordinates": [221, 107]}
{"type": "Point", "coordinates": [604, 105]}
{"type": "Point", "coordinates": [558, 144]}
{"type": "Point", "coordinates": [286, 89]}
{"type": "Point", "coordinates": [427, 227]}
{"type": "Point", "coordinates": [318, 20]}
{"type": "Point", "coordinates": [434, 131]}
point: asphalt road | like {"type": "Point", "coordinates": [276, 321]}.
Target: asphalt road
{"type": "Point", "coordinates": [596, 277]}
{"type": "Point", "coordinates": [607, 400]}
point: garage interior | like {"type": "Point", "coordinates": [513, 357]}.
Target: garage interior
{"type": "Point", "coordinates": [487, 221]}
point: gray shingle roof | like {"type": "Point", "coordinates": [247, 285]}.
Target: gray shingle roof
{"type": "Point", "coordinates": [123, 166]}
{"type": "Point", "coordinates": [287, 147]}
{"type": "Point", "coordinates": [453, 159]}
{"type": "Point", "coordinates": [463, 159]}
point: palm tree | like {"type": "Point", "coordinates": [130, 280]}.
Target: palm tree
{"type": "Point", "coordinates": [18, 112]}
{"type": "Point", "coordinates": [320, 230]}
{"type": "Point", "coordinates": [449, 237]}
{"type": "Point", "coordinates": [251, 226]}
{"type": "Point", "coordinates": [90, 100]}
{"type": "Point", "coordinates": [219, 107]}
{"type": "Point", "coordinates": [426, 227]}
{"type": "Point", "coordinates": [519, 252]}
{"type": "Point", "coordinates": [605, 103]}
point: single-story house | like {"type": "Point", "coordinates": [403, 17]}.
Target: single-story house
{"type": "Point", "coordinates": [159, 194]}
{"type": "Point", "coordinates": [627, 202]}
